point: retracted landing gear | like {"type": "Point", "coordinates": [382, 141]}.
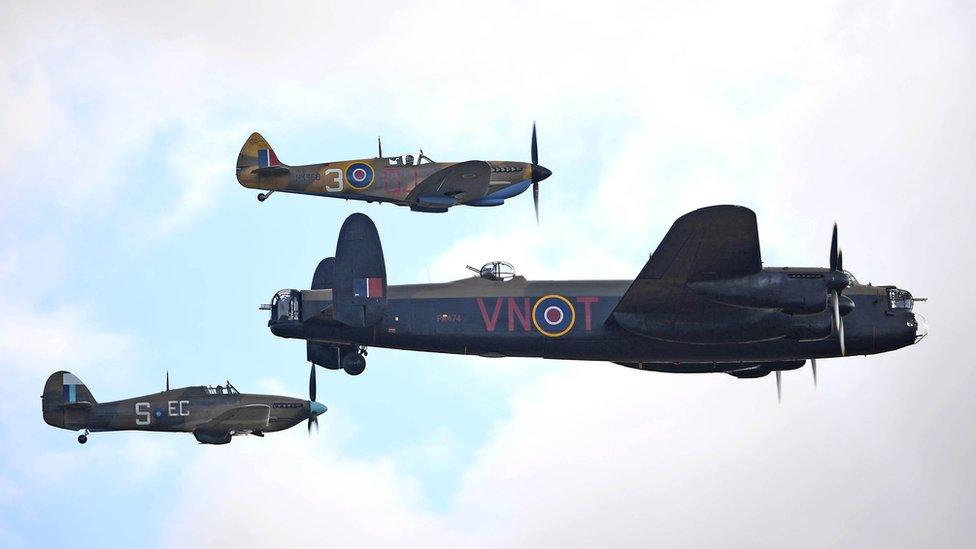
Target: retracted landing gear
{"type": "Point", "coordinates": [264, 196]}
{"type": "Point", "coordinates": [353, 361]}
{"type": "Point", "coordinates": [83, 438]}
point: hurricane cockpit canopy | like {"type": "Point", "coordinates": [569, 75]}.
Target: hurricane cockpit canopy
{"type": "Point", "coordinates": [221, 389]}
{"type": "Point", "coordinates": [497, 271]}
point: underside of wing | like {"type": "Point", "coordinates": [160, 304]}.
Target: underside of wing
{"type": "Point", "coordinates": [248, 417]}
{"type": "Point", "coordinates": [457, 184]}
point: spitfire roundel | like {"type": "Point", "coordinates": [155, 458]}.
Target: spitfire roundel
{"type": "Point", "coordinates": [359, 175]}
{"type": "Point", "coordinates": [553, 315]}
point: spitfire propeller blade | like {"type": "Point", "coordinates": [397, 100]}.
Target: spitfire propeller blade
{"type": "Point", "coordinates": [535, 200]}
{"type": "Point", "coordinates": [535, 147]}
{"type": "Point", "coordinates": [813, 366]}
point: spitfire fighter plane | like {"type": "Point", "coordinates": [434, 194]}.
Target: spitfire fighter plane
{"type": "Point", "coordinates": [212, 414]}
{"type": "Point", "coordinates": [702, 303]}
{"type": "Point", "coordinates": [414, 181]}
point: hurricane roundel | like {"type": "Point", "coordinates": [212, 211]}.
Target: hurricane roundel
{"type": "Point", "coordinates": [359, 175]}
{"type": "Point", "coordinates": [553, 315]}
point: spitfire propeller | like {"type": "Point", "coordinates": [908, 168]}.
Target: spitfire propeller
{"type": "Point", "coordinates": [538, 174]}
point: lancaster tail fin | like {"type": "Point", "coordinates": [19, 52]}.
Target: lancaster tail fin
{"type": "Point", "coordinates": [358, 274]}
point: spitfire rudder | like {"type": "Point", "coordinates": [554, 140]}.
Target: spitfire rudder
{"type": "Point", "coordinates": [257, 158]}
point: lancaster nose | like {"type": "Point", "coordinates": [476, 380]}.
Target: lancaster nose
{"type": "Point", "coordinates": [921, 327]}
{"type": "Point", "coordinates": [540, 172]}
{"type": "Point", "coordinates": [316, 409]}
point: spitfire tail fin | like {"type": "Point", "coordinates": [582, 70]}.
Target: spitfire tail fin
{"type": "Point", "coordinates": [257, 158]}
{"type": "Point", "coordinates": [64, 392]}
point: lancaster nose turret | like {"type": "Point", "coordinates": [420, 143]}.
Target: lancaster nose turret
{"type": "Point", "coordinates": [921, 327]}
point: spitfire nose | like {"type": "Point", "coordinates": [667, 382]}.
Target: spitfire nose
{"type": "Point", "coordinates": [921, 327]}
{"type": "Point", "coordinates": [540, 172]}
{"type": "Point", "coordinates": [316, 409]}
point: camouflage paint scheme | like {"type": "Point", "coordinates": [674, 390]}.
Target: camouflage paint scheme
{"type": "Point", "coordinates": [423, 186]}
{"type": "Point", "coordinates": [703, 303]}
{"type": "Point", "coordinates": [212, 414]}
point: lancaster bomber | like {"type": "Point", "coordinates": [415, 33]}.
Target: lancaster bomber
{"type": "Point", "coordinates": [212, 413]}
{"type": "Point", "coordinates": [702, 303]}
{"type": "Point", "coordinates": [407, 180]}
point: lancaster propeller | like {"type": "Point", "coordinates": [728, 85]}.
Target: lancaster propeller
{"type": "Point", "coordinates": [837, 283]}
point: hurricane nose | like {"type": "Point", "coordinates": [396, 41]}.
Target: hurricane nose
{"type": "Point", "coordinates": [540, 172]}
{"type": "Point", "coordinates": [316, 409]}
{"type": "Point", "coordinates": [921, 327]}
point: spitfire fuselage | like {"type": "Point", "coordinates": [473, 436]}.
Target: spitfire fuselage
{"type": "Point", "coordinates": [384, 181]}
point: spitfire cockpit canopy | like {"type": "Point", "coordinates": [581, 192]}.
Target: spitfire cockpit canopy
{"type": "Point", "coordinates": [409, 160]}
{"type": "Point", "coordinates": [497, 271]}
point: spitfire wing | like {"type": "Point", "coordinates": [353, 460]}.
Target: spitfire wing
{"type": "Point", "coordinates": [461, 182]}
{"type": "Point", "coordinates": [714, 242]}
{"type": "Point", "coordinates": [248, 417]}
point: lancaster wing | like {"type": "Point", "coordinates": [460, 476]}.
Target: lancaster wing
{"type": "Point", "coordinates": [710, 243]}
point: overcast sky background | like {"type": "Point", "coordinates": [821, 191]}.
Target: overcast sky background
{"type": "Point", "coordinates": [127, 249]}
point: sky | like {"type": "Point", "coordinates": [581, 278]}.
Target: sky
{"type": "Point", "coordinates": [127, 249]}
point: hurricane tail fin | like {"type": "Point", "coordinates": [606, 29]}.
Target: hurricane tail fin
{"type": "Point", "coordinates": [64, 392]}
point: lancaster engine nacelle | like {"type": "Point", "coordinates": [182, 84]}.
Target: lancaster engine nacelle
{"type": "Point", "coordinates": [790, 290]}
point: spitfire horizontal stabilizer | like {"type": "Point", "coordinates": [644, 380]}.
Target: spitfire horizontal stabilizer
{"type": "Point", "coordinates": [271, 170]}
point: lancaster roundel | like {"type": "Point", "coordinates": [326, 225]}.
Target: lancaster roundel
{"type": "Point", "coordinates": [553, 315]}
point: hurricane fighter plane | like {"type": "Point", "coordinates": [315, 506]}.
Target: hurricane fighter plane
{"type": "Point", "coordinates": [702, 303]}
{"type": "Point", "coordinates": [212, 414]}
{"type": "Point", "coordinates": [407, 180]}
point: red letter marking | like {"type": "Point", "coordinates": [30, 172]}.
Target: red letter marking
{"type": "Point", "coordinates": [587, 301]}
{"type": "Point", "coordinates": [490, 322]}
{"type": "Point", "coordinates": [522, 314]}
